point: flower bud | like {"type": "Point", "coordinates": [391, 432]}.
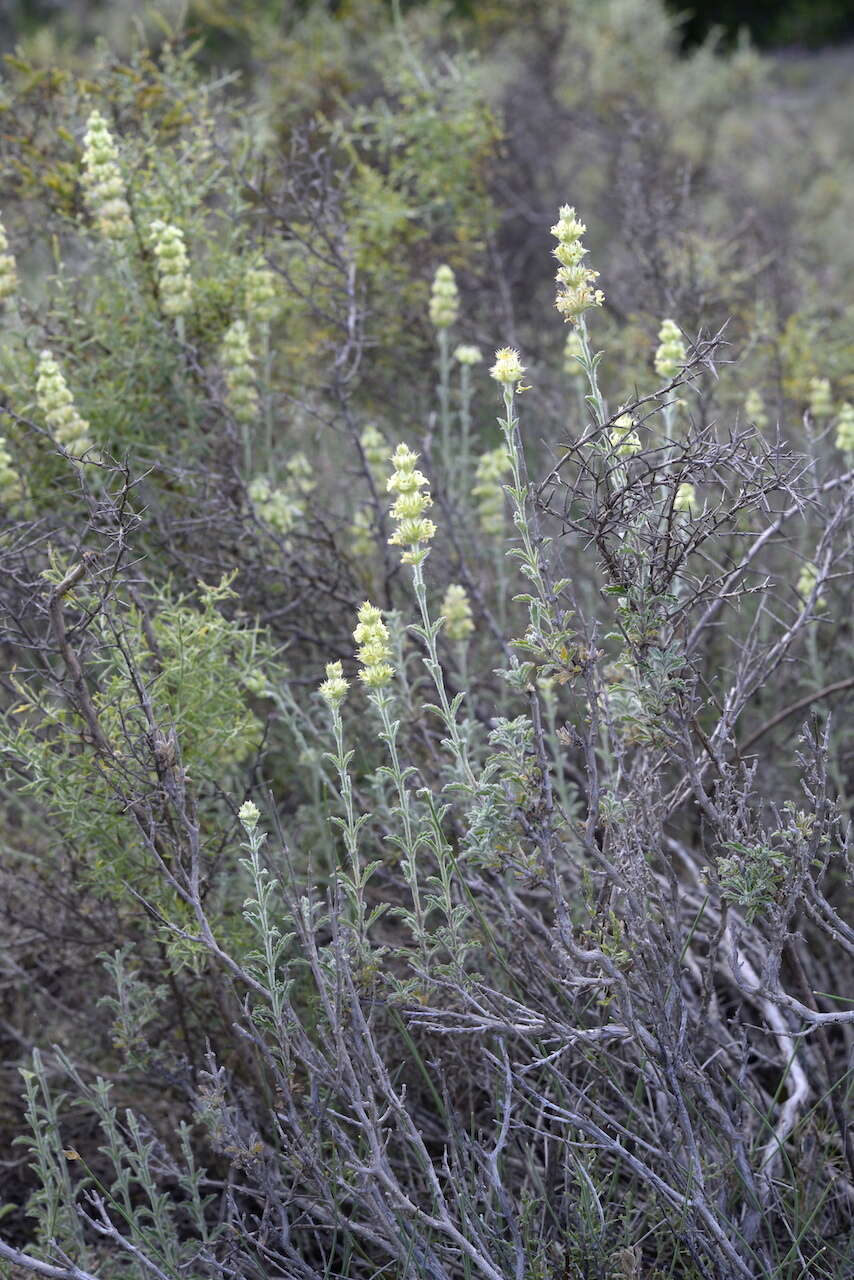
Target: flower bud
{"type": "Point", "coordinates": [10, 482]}
{"type": "Point", "coordinates": [444, 298]}
{"type": "Point", "coordinates": [821, 398]}
{"type": "Point", "coordinates": [508, 368]}
{"type": "Point", "coordinates": [102, 180]}
{"type": "Point", "coordinates": [261, 295]}
{"type": "Point", "coordinates": [670, 356]}
{"type": "Point", "coordinates": [754, 409]}
{"type": "Point", "coordinates": [413, 530]}
{"type": "Point", "coordinates": [575, 293]}
{"type": "Point", "coordinates": [57, 405]}
{"type": "Point", "coordinates": [371, 635]}
{"type": "Point", "coordinates": [249, 813]}
{"type": "Point", "coordinates": [685, 499]}
{"type": "Point", "coordinates": [488, 489]}
{"type": "Point", "coordinates": [172, 268]}
{"type": "Point", "coordinates": [334, 688]}
{"type": "Point", "coordinates": [8, 269]}
{"type": "Point", "coordinates": [625, 441]}
{"type": "Point", "coordinates": [237, 366]}
{"type": "Point", "coordinates": [468, 355]}
{"type": "Point", "coordinates": [456, 611]}
{"type": "Point", "coordinates": [845, 428]}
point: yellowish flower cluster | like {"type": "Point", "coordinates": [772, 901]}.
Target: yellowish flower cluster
{"type": "Point", "coordinates": [456, 610]}
{"type": "Point", "coordinates": [573, 354]}
{"type": "Point", "coordinates": [821, 398]}
{"type": "Point", "coordinates": [575, 293]}
{"type": "Point", "coordinates": [375, 450]}
{"type": "Point", "coordinates": [102, 180]}
{"type": "Point", "coordinates": [444, 298]}
{"type": "Point", "coordinates": [754, 409]}
{"type": "Point", "coordinates": [371, 635]}
{"type": "Point", "coordinates": [8, 269]}
{"type": "Point", "coordinates": [249, 813]}
{"type": "Point", "coordinates": [57, 405]}
{"type": "Point", "coordinates": [625, 441]}
{"type": "Point", "coordinates": [172, 268]}
{"type": "Point", "coordinates": [413, 530]}
{"type": "Point", "coordinates": [10, 482]}
{"type": "Point", "coordinates": [238, 369]}
{"type": "Point", "coordinates": [282, 506]}
{"type": "Point", "coordinates": [468, 355]}
{"type": "Point", "coordinates": [685, 499]}
{"type": "Point", "coordinates": [845, 428]}
{"type": "Point", "coordinates": [493, 466]}
{"type": "Point", "coordinates": [806, 584]}
{"type": "Point", "coordinates": [670, 356]}
{"type": "Point", "coordinates": [261, 295]}
{"type": "Point", "coordinates": [334, 687]}
{"type": "Point", "coordinates": [508, 368]}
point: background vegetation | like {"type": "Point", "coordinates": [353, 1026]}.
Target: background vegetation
{"type": "Point", "coordinates": [529, 954]}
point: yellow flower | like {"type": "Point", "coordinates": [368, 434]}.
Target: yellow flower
{"type": "Point", "coordinates": [685, 499]}
{"type": "Point", "coordinates": [444, 298]}
{"type": "Point", "coordinates": [8, 269]}
{"type": "Point", "coordinates": [845, 428]}
{"type": "Point", "coordinates": [334, 688]}
{"type": "Point", "coordinates": [371, 635]}
{"type": "Point", "coordinates": [625, 441]}
{"type": "Point", "coordinates": [102, 180]}
{"type": "Point", "coordinates": [508, 368]}
{"type": "Point", "coordinates": [575, 293]}
{"type": "Point", "coordinates": [237, 366]}
{"type": "Point", "coordinates": [413, 530]}
{"type": "Point", "coordinates": [670, 356]}
{"type": "Point", "coordinates": [456, 611]}
{"type": "Point", "coordinates": [57, 404]}
{"type": "Point", "coordinates": [172, 268]}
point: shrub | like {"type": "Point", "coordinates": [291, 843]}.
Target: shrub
{"type": "Point", "coordinates": [494, 924]}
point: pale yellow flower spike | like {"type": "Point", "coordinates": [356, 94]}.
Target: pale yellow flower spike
{"type": "Point", "coordinates": [575, 292]}
{"type": "Point", "coordinates": [371, 635]}
{"type": "Point", "coordinates": [102, 180]}
{"type": "Point", "coordinates": [413, 529]}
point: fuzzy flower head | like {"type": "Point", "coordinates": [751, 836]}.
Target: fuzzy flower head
{"type": "Point", "coordinates": [102, 180]}
{"type": "Point", "coordinates": [249, 813]}
{"type": "Point", "coordinates": [573, 354]}
{"type": "Point", "coordinates": [57, 405]}
{"type": "Point", "coordinates": [8, 269]}
{"type": "Point", "coordinates": [334, 688]}
{"type": "Point", "coordinates": [508, 368]}
{"type": "Point", "coordinates": [10, 483]}
{"type": "Point", "coordinates": [456, 610]}
{"type": "Point", "coordinates": [173, 271]}
{"type": "Point", "coordinates": [444, 298]}
{"type": "Point", "coordinates": [575, 293]}
{"type": "Point", "coordinates": [371, 635]}
{"type": "Point", "coordinates": [468, 355]}
{"type": "Point", "coordinates": [237, 366]}
{"type": "Point", "coordinates": [492, 468]}
{"type": "Point", "coordinates": [754, 409]}
{"type": "Point", "coordinates": [807, 582]}
{"type": "Point", "coordinates": [413, 529]}
{"type": "Point", "coordinates": [261, 295]}
{"type": "Point", "coordinates": [821, 398]}
{"type": "Point", "coordinates": [625, 441]}
{"type": "Point", "coordinates": [845, 428]}
{"type": "Point", "coordinates": [685, 499]}
{"type": "Point", "coordinates": [670, 356]}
